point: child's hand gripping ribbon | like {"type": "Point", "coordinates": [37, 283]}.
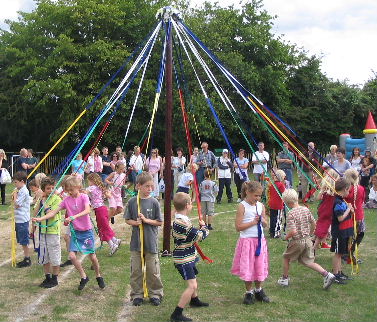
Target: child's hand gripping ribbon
{"type": "Point", "coordinates": [143, 266]}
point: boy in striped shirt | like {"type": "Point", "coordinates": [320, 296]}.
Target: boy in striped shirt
{"type": "Point", "coordinates": [184, 253]}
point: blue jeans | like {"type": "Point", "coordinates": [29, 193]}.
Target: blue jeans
{"type": "Point", "coordinates": [288, 173]}
{"type": "Point", "coordinates": [200, 175]}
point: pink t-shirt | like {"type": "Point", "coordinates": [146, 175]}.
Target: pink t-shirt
{"type": "Point", "coordinates": [118, 181]}
{"type": "Point", "coordinates": [154, 165]}
{"type": "Point", "coordinates": [95, 196]}
{"type": "Point", "coordinates": [75, 206]}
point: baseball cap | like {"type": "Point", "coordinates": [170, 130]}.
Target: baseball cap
{"type": "Point", "coordinates": [225, 151]}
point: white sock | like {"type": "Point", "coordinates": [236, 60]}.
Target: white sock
{"type": "Point", "coordinates": [249, 292]}
{"type": "Point", "coordinates": [257, 290]}
{"type": "Point", "coordinates": [114, 240]}
{"type": "Point", "coordinates": [111, 243]}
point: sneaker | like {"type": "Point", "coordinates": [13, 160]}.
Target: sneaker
{"type": "Point", "coordinates": [118, 242]}
{"type": "Point", "coordinates": [179, 318]}
{"type": "Point", "coordinates": [83, 283]}
{"type": "Point", "coordinates": [66, 263]}
{"type": "Point", "coordinates": [239, 200]}
{"type": "Point", "coordinates": [52, 283]}
{"type": "Point", "coordinates": [345, 277]}
{"type": "Point", "coordinates": [198, 303]}
{"type": "Point", "coordinates": [155, 301]}
{"type": "Point", "coordinates": [283, 281]}
{"type": "Point", "coordinates": [24, 263]}
{"type": "Point", "coordinates": [339, 280]}
{"type": "Point", "coordinates": [248, 299]}
{"type": "Point", "coordinates": [137, 301]}
{"type": "Point", "coordinates": [328, 280]}
{"type": "Point", "coordinates": [325, 245]}
{"type": "Point", "coordinates": [100, 282]}
{"type": "Point", "coordinates": [113, 249]}
{"type": "Point", "coordinates": [261, 296]}
{"type": "Point", "coordinates": [45, 281]}
{"type": "Point", "coordinates": [210, 227]}
{"type": "Point", "coordinates": [359, 261]}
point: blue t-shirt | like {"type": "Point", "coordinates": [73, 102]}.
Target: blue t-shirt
{"type": "Point", "coordinates": [76, 165]}
{"type": "Point", "coordinates": [244, 171]}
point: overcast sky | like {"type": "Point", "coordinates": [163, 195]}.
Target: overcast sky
{"type": "Point", "coordinates": [342, 32]}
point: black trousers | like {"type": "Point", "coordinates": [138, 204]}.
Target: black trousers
{"type": "Point", "coordinates": [224, 182]}
{"type": "Point", "coordinates": [2, 188]}
{"type": "Point", "coordinates": [238, 181]}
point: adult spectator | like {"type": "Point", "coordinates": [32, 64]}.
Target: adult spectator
{"type": "Point", "coordinates": [341, 164]}
{"type": "Point", "coordinates": [331, 157]}
{"type": "Point", "coordinates": [355, 159]}
{"type": "Point", "coordinates": [32, 162]}
{"type": "Point", "coordinates": [260, 160]}
{"type": "Point", "coordinates": [114, 159]}
{"type": "Point", "coordinates": [225, 166]}
{"type": "Point", "coordinates": [284, 160]}
{"type": "Point", "coordinates": [195, 154]}
{"type": "Point", "coordinates": [178, 166]}
{"type": "Point", "coordinates": [3, 166]}
{"type": "Point", "coordinates": [136, 164]}
{"type": "Point", "coordinates": [118, 149]}
{"type": "Point", "coordinates": [95, 162]}
{"type": "Point", "coordinates": [106, 170]}
{"type": "Point", "coordinates": [373, 162]}
{"type": "Point", "coordinates": [22, 162]}
{"type": "Point", "coordinates": [241, 164]}
{"type": "Point", "coordinates": [78, 166]}
{"type": "Point", "coordinates": [206, 160]}
{"type": "Point", "coordinates": [307, 165]}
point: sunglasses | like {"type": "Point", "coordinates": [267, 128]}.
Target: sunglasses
{"type": "Point", "coordinates": [115, 156]}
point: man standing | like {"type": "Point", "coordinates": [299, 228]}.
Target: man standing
{"type": "Point", "coordinates": [260, 160]}
{"type": "Point", "coordinates": [225, 176]}
{"type": "Point", "coordinates": [205, 160]}
{"type": "Point", "coordinates": [106, 170]}
{"type": "Point", "coordinates": [284, 160]}
{"type": "Point", "coordinates": [308, 169]}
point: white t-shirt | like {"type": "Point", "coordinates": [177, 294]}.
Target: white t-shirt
{"type": "Point", "coordinates": [258, 156]}
{"type": "Point", "coordinates": [187, 176]}
{"type": "Point", "coordinates": [137, 162]}
{"type": "Point", "coordinates": [250, 213]}
{"type": "Point", "coordinates": [241, 162]}
{"type": "Point", "coordinates": [179, 162]}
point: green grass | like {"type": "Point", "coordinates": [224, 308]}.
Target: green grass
{"type": "Point", "coordinates": [303, 300]}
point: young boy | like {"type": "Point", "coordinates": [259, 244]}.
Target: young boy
{"type": "Point", "coordinates": [49, 236]}
{"type": "Point", "coordinates": [21, 201]}
{"type": "Point", "coordinates": [208, 190]}
{"type": "Point", "coordinates": [184, 254]}
{"type": "Point", "coordinates": [276, 204]}
{"type": "Point", "coordinates": [187, 178]}
{"type": "Point", "coordinates": [300, 225]}
{"type": "Point", "coordinates": [150, 217]}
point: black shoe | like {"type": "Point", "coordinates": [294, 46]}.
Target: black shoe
{"type": "Point", "coordinates": [137, 301]}
{"type": "Point", "coordinates": [195, 302]}
{"type": "Point", "coordinates": [112, 220]}
{"type": "Point", "coordinates": [339, 280]}
{"type": "Point", "coordinates": [261, 296]}
{"type": "Point", "coordinates": [83, 283]}
{"type": "Point", "coordinates": [155, 301]}
{"type": "Point", "coordinates": [345, 277]}
{"type": "Point", "coordinates": [100, 282]}
{"type": "Point", "coordinates": [218, 201]}
{"type": "Point", "coordinates": [52, 283]}
{"type": "Point", "coordinates": [45, 281]}
{"type": "Point", "coordinates": [179, 318]}
{"type": "Point", "coordinates": [210, 227]}
{"type": "Point", "coordinates": [24, 263]}
{"type": "Point", "coordinates": [249, 299]}
{"type": "Point", "coordinates": [66, 263]}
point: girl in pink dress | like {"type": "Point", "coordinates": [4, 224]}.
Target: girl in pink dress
{"type": "Point", "coordinates": [250, 260]}
{"type": "Point", "coordinates": [153, 164]}
{"type": "Point", "coordinates": [116, 180]}
{"type": "Point", "coordinates": [325, 208]}
{"type": "Point", "coordinates": [97, 192]}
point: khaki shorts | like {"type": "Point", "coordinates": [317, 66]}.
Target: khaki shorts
{"type": "Point", "coordinates": [208, 208]}
{"type": "Point", "coordinates": [301, 250]}
{"type": "Point", "coordinates": [49, 249]}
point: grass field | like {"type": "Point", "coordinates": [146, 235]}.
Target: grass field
{"type": "Point", "coordinates": [304, 300]}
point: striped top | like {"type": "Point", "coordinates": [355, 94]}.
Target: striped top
{"type": "Point", "coordinates": [185, 236]}
{"type": "Point", "coordinates": [300, 219]}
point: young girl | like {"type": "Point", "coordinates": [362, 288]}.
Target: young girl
{"type": "Point", "coordinates": [250, 260]}
{"type": "Point", "coordinates": [97, 192]}
{"type": "Point", "coordinates": [78, 209]}
{"type": "Point", "coordinates": [116, 180]}
{"type": "Point", "coordinates": [365, 173]}
{"type": "Point", "coordinates": [276, 204]}
{"type": "Point", "coordinates": [187, 179]}
{"type": "Point", "coordinates": [372, 202]}
{"type": "Point", "coordinates": [325, 208]}
{"type": "Point", "coordinates": [356, 198]}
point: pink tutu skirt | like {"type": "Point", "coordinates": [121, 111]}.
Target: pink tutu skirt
{"type": "Point", "coordinates": [246, 265]}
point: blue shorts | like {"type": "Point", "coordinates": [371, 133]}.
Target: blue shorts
{"type": "Point", "coordinates": [22, 233]}
{"type": "Point", "coordinates": [188, 271]}
{"type": "Point", "coordinates": [82, 241]}
{"type": "Point", "coordinates": [339, 245]}
{"type": "Point", "coordinates": [183, 189]}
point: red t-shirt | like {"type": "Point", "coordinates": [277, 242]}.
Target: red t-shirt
{"type": "Point", "coordinates": [358, 203]}
{"type": "Point", "coordinates": [276, 202]}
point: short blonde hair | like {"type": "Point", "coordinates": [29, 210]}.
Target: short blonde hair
{"type": "Point", "coordinates": [328, 182]}
{"type": "Point", "coordinates": [72, 182]}
{"type": "Point", "coordinates": [352, 176]}
{"type": "Point", "coordinates": [3, 152]}
{"type": "Point", "coordinates": [181, 200]}
{"type": "Point", "coordinates": [280, 175]}
{"type": "Point", "coordinates": [39, 177]}
{"type": "Point", "coordinates": [193, 167]}
{"type": "Point", "coordinates": [290, 196]}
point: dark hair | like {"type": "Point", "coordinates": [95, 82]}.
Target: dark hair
{"type": "Point", "coordinates": [20, 176]}
{"type": "Point", "coordinates": [179, 149]}
{"type": "Point", "coordinates": [341, 150]}
{"type": "Point", "coordinates": [250, 186]}
{"type": "Point", "coordinates": [47, 181]}
{"type": "Point", "coordinates": [33, 183]}
{"type": "Point", "coordinates": [341, 185]}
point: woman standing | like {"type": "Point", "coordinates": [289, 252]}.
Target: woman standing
{"type": "Point", "coordinates": [3, 166]}
{"type": "Point", "coordinates": [178, 166]}
{"type": "Point", "coordinates": [356, 159]}
{"type": "Point", "coordinates": [154, 166]}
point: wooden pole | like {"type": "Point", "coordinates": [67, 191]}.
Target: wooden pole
{"type": "Point", "coordinates": [168, 147]}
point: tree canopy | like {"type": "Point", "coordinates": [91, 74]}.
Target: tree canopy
{"type": "Point", "coordinates": [54, 60]}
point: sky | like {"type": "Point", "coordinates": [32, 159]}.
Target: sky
{"type": "Point", "coordinates": [342, 32]}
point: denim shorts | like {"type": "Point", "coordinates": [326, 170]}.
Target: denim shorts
{"type": "Point", "coordinates": [22, 233]}
{"type": "Point", "coordinates": [82, 241]}
{"type": "Point", "coordinates": [188, 271]}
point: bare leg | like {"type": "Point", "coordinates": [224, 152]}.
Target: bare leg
{"type": "Point", "coordinates": [316, 267]}
{"type": "Point", "coordinates": [26, 250]}
{"type": "Point", "coordinates": [95, 263]}
{"type": "Point", "coordinates": [258, 284]}
{"type": "Point", "coordinates": [337, 263]}
{"type": "Point", "coordinates": [47, 268]}
{"type": "Point", "coordinates": [55, 270]}
{"type": "Point", "coordinates": [248, 286]}
{"type": "Point", "coordinates": [285, 266]}
{"type": "Point", "coordinates": [77, 264]}
{"type": "Point", "coordinates": [188, 293]}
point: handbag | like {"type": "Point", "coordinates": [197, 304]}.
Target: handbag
{"type": "Point", "coordinates": [161, 185]}
{"type": "Point", "coordinates": [5, 177]}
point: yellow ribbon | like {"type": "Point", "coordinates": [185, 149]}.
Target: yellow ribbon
{"type": "Point", "coordinates": [143, 266]}
{"type": "Point", "coordinates": [13, 235]}
{"type": "Point", "coordinates": [155, 106]}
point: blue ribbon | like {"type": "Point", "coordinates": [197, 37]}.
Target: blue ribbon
{"type": "Point", "coordinates": [259, 226]}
